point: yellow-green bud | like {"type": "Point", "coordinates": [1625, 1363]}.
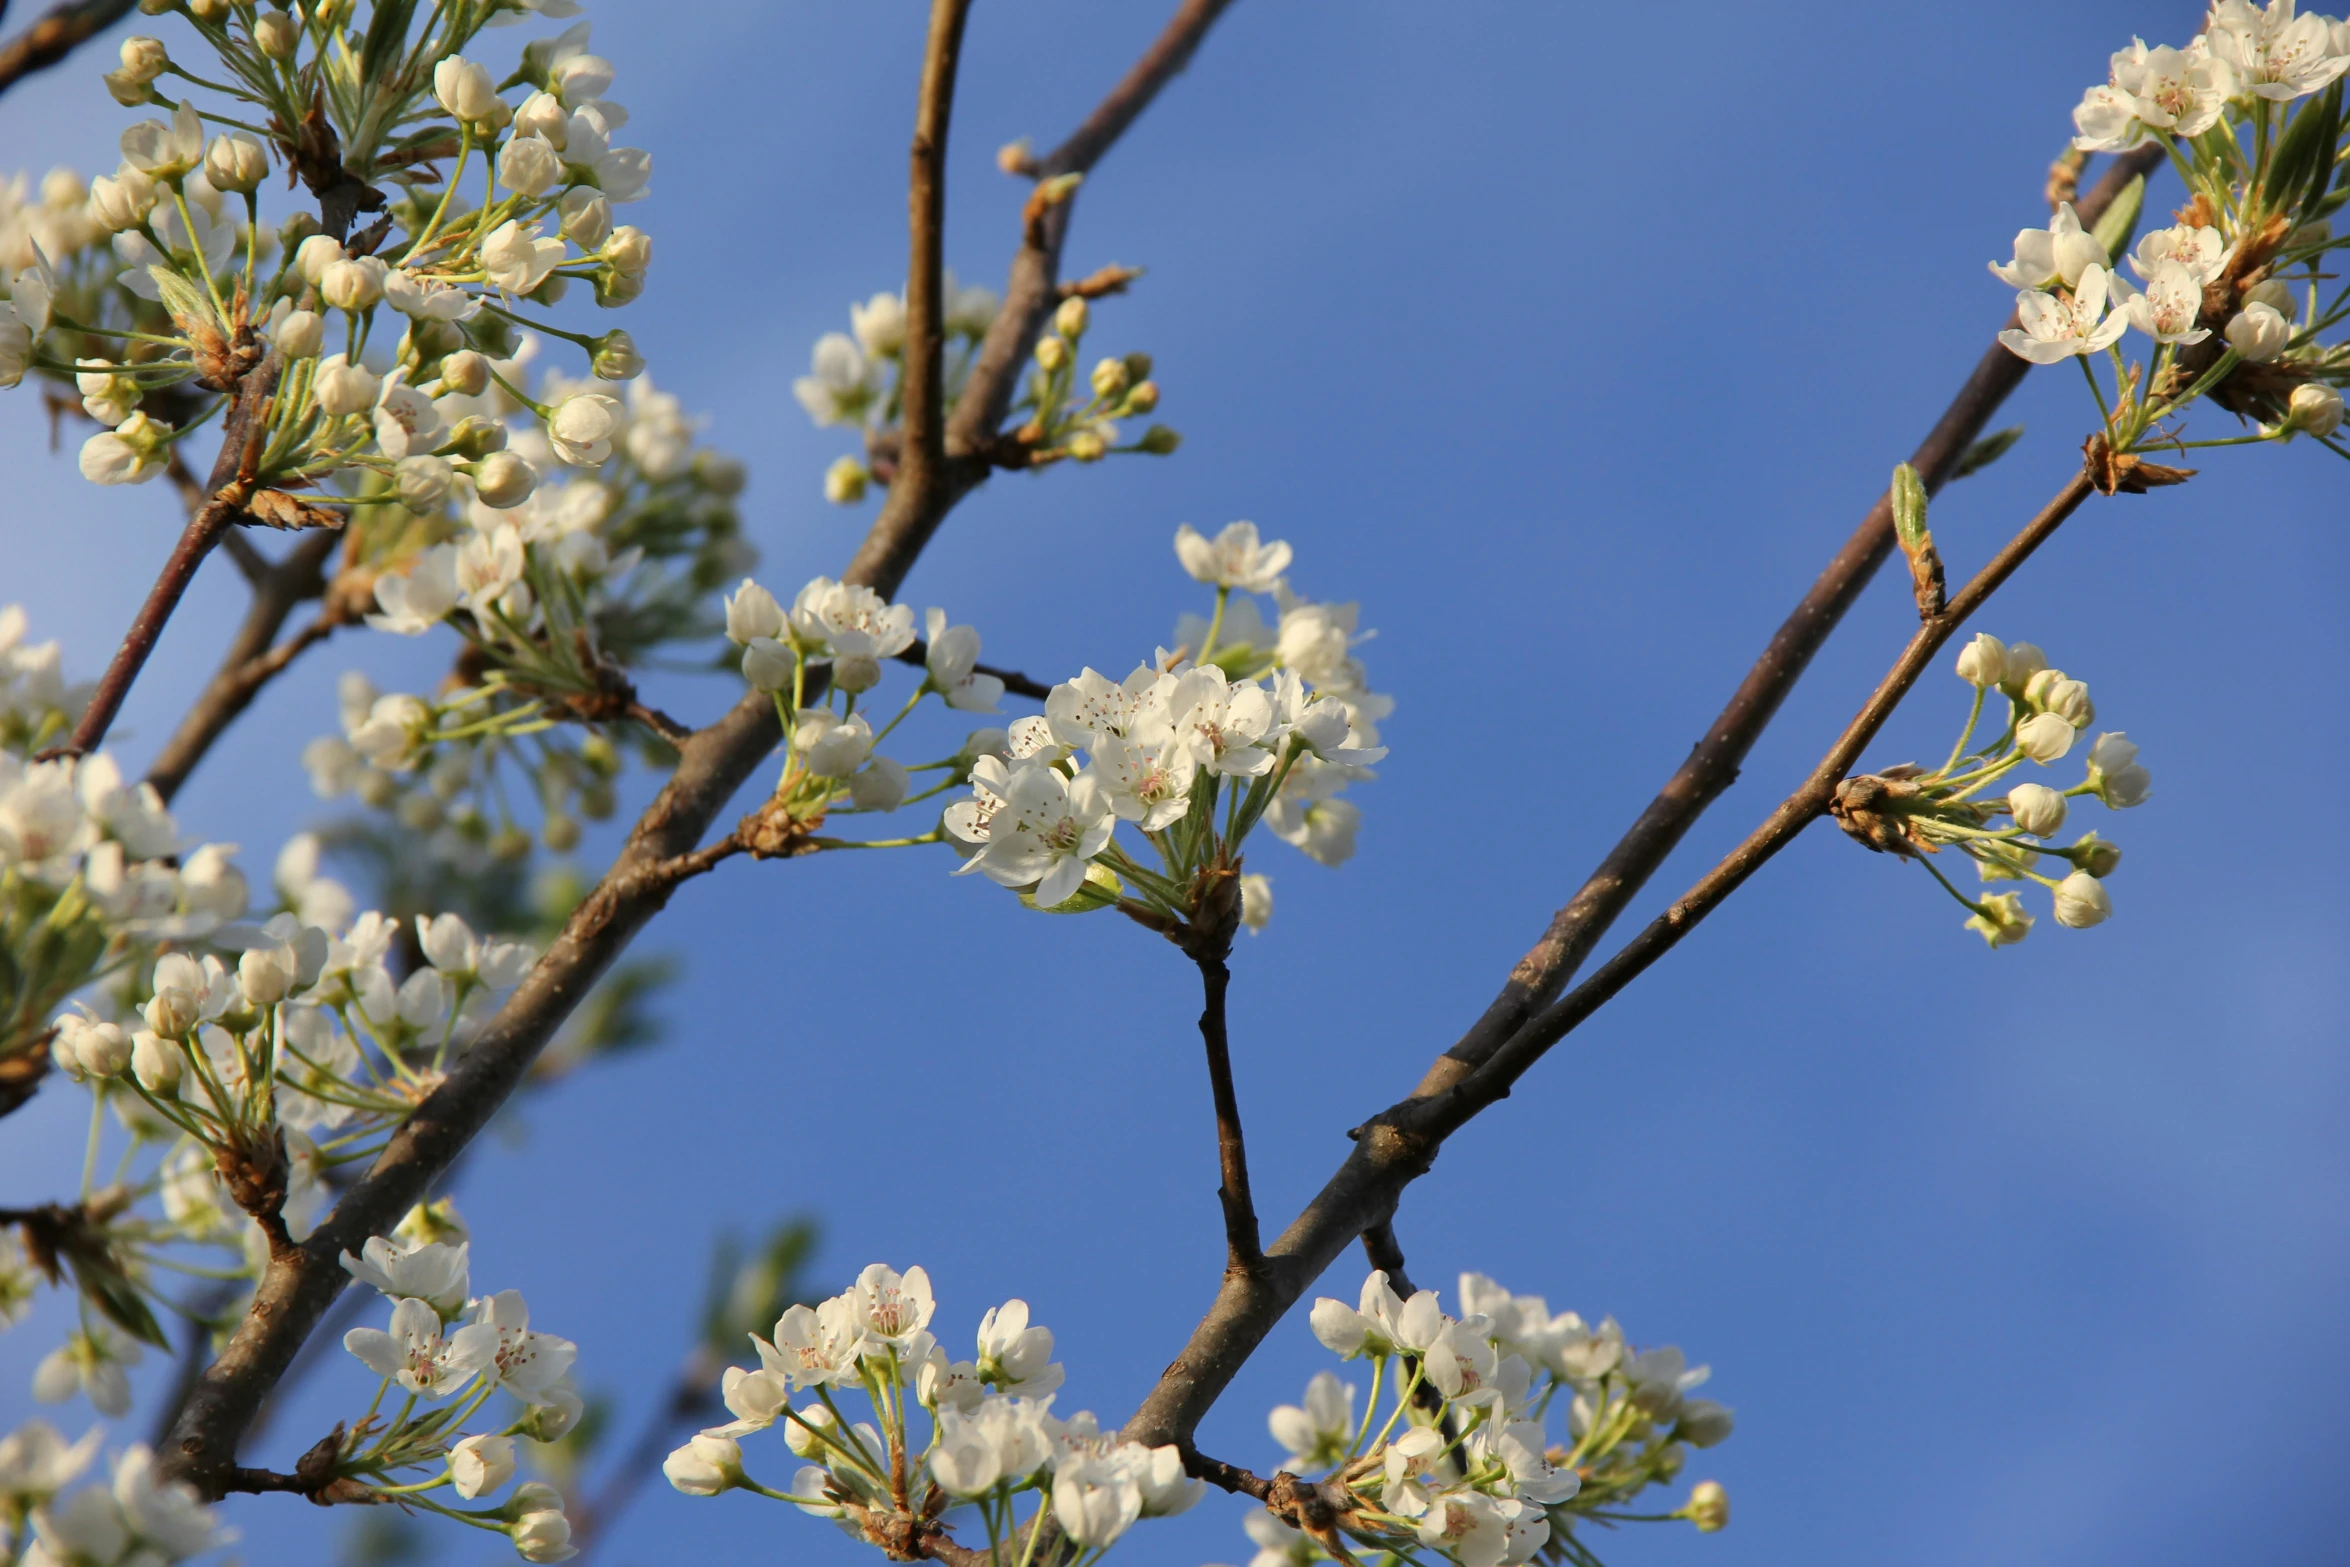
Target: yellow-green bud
{"type": "Point", "coordinates": [597, 802]}
{"type": "Point", "coordinates": [476, 437]}
{"type": "Point", "coordinates": [465, 372]}
{"type": "Point", "coordinates": [1709, 1506]}
{"type": "Point", "coordinates": [1087, 446]}
{"type": "Point", "coordinates": [510, 845]}
{"type": "Point", "coordinates": [276, 34]}
{"type": "Point", "coordinates": [1138, 367]}
{"type": "Point", "coordinates": [1109, 378]}
{"type": "Point", "coordinates": [143, 58]}
{"type": "Point", "coordinates": [1158, 440]}
{"type": "Point", "coordinates": [845, 481]}
{"type": "Point", "coordinates": [599, 756]}
{"type": "Point", "coordinates": [1070, 319]}
{"type": "Point", "coordinates": [1051, 353]}
{"type": "Point", "coordinates": [560, 834]}
{"type": "Point", "coordinates": [1143, 398]}
{"type": "Point", "coordinates": [616, 358]}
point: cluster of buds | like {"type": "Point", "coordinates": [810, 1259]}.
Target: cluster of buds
{"type": "Point", "coordinates": [1908, 811]}
{"type": "Point", "coordinates": [445, 1354]}
{"type": "Point", "coordinates": [992, 1442]}
{"type": "Point", "coordinates": [2250, 114]}
{"type": "Point", "coordinates": [1078, 420]}
{"type": "Point", "coordinates": [206, 296]}
{"type": "Point", "coordinates": [1462, 1463]}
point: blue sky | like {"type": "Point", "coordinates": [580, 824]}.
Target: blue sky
{"type": "Point", "coordinates": [1570, 342]}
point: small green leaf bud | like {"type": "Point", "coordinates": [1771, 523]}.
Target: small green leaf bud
{"type": "Point", "coordinates": [1158, 440]}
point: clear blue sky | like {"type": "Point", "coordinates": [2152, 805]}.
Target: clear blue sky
{"type": "Point", "coordinates": [1570, 341]}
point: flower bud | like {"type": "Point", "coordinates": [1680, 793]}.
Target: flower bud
{"type": "Point", "coordinates": [550, 290]}
{"type": "Point", "coordinates": [466, 90]}
{"type": "Point", "coordinates": [355, 284]}
{"type": "Point", "coordinates": [803, 1442]}
{"type": "Point", "coordinates": [2259, 333]}
{"type": "Point", "coordinates": [90, 1047]}
{"type": "Point", "coordinates": [1256, 902]}
{"type": "Point", "coordinates": [2094, 855]}
{"type": "Point", "coordinates": [480, 1464]}
{"type": "Point", "coordinates": [235, 163]}
{"type": "Point", "coordinates": [616, 358]}
{"type": "Point", "coordinates": [316, 254]}
{"type": "Point", "coordinates": [767, 664]}
{"type": "Point", "coordinates": [122, 200]}
{"type": "Point", "coordinates": [466, 373]}
{"type": "Point", "coordinates": [2051, 691]}
{"type": "Point", "coordinates": [720, 474]}
{"type": "Point", "coordinates": [2000, 920]}
{"type": "Point", "coordinates": [1709, 1506]}
{"type": "Point", "coordinates": [1051, 353]}
{"type": "Point", "coordinates": [1087, 446]}
{"type": "Point", "coordinates": [561, 834]}
{"type": "Point", "coordinates": [344, 389]}
{"type": "Point", "coordinates": [2024, 660]}
{"type": "Point", "coordinates": [529, 166]}
{"type": "Point", "coordinates": [587, 216]}
{"type": "Point", "coordinates": [845, 481]}
{"type": "Point", "coordinates": [276, 34]}
{"type": "Point", "coordinates": [156, 1063]}
{"type": "Point", "coordinates": [2317, 233]}
{"type": "Point", "coordinates": [208, 10]}
{"type": "Point", "coordinates": [2044, 737]}
{"type": "Point", "coordinates": [2115, 772]}
{"type": "Point", "coordinates": [856, 674]}
{"type": "Point", "coordinates": [475, 436]}
{"type": "Point", "coordinates": [542, 115]}
{"type": "Point", "coordinates": [2082, 901]}
{"type": "Point", "coordinates": [504, 479]}
{"type": "Point", "coordinates": [1143, 398]}
{"type": "Point", "coordinates": [1159, 441]}
{"type": "Point", "coordinates": [129, 91]}
{"type": "Point", "coordinates": [751, 613]}
{"type": "Point", "coordinates": [614, 289]}
{"type": "Point", "coordinates": [2038, 809]}
{"type": "Point", "coordinates": [1983, 662]}
{"type": "Point", "coordinates": [2273, 294]}
{"type": "Point", "coordinates": [424, 482]}
{"type": "Point", "coordinates": [302, 334]}
{"type": "Point", "coordinates": [629, 248]}
{"type": "Point", "coordinates": [881, 786]}
{"type": "Point", "coordinates": [2316, 408]}
{"type": "Point", "coordinates": [705, 1466]}
{"type": "Point", "coordinates": [1109, 378]}
{"type": "Point", "coordinates": [542, 1536]}
{"type": "Point", "coordinates": [1071, 318]}
{"type": "Point", "coordinates": [143, 58]}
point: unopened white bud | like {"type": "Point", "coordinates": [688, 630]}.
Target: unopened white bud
{"type": "Point", "coordinates": [122, 200]}
{"type": "Point", "coordinates": [845, 481]}
{"type": "Point", "coordinates": [316, 254]}
{"type": "Point", "coordinates": [857, 673]}
{"type": "Point", "coordinates": [542, 115]}
{"type": "Point", "coordinates": [143, 58]}
{"type": "Point", "coordinates": [1109, 378]}
{"type": "Point", "coordinates": [2052, 691]}
{"type": "Point", "coordinates": [235, 163]}
{"type": "Point", "coordinates": [1087, 446]}
{"type": "Point", "coordinates": [2274, 294]}
{"type": "Point", "coordinates": [424, 482]}
{"type": "Point", "coordinates": [2094, 855]}
{"type": "Point", "coordinates": [616, 357]}
{"type": "Point", "coordinates": [466, 90]}
{"type": "Point", "coordinates": [344, 389]}
{"type": "Point", "coordinates": [1983, 662]}
{"type": "Point", "coordinates": [2259, 333]}
{"type": "Point", "coordinates": [880, 786]}
{"type": "Point", "coordinates": [504, 479]}
{"type": "Point", "coordinates": [156, 1063]}
{"type": "Point", "coordinates": [302, 334]}
{"type": "Point", "coordinates": [276, 34]}
{"type": "Point", "coordinates": [2044, 737]}
{"type": "Point", "coordinates": [2038, 809]}
{"type": "Point", "coordinates": [354, 284]}
{"type": "Point", "coordinates": [2024, 660]}
{"type": "Point", "coordinates": [767, 664]}
{"type": "Point", "coordinates": [466, 373]}
{"type": "Point", "coordinates": [587, 216]}
{"type": "Point", "coordinates": [2082, 901]}
{"type": "Point", "coordinates": [529, 166]}
{"type": "Point", "coordinates": [629, 248]}
{"type": "Point", "coordinates": [2316, 408]}
{"type": "Point", "coordinates": [1709, 1506]}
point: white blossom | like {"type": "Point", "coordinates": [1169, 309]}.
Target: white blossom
{"type": "Point", "coordinates": [2057, 254]}
{"type": "Point", "coordinates": [1233, 559]}
{"type": "Point", "coordinates": [2058, 326]}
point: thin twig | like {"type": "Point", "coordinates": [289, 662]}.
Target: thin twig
{"type": "Point", "coordinates": [1015, 683]}
{"type": "Point", "coordinates": [1713, 763]}
{"type": "Point", "coordinates": [1384, 1253]}
{"type": "Point", "coordinates": [1399, 1145]}
{"type": "Point", "coordinates": [233, 475]}
{"type": "Point", "coordinates": [1223, 1476]}
{"type": "Point", "coordinates": [57, 35]}
{"type": "Point", "coordinates": [1244, 1250]}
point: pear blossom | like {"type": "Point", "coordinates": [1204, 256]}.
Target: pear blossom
{"type": "Point", "coordinates": [582, 428]}
{"type": "Point", "coordinates": [2115, 772]}
{"type": "Point", "coordinates": [850, 620]}
{"type": "Point", "coordinates": [2058, 326]}
{"type": "Point", "coordinates": [36, 1462]}
{"type": "Point", "coordinates": [1015, 1356]}
{"type": "Point", "coordinates": [418, 1355]}
{"type": "Point", "coordinates": [2082, 901]}
{"type": "Point", "coordinates": [165, 151]}
{"type": "Point", "coordinates": [2259, 333]}
{"type": "Point", "coordinates": [1044, 833]}
{"type": "Point", "coordinates": [2059, 253]}
{"type": "Point", "coordinates": [2181, 91]}
{"type": "Point", "coordinates": [481, 1464]}
{"type": "Point", "coordinates": [880, 325]}
{"type": "Point", "coordinates": [415, 601]}
{"type": "Point", "coordinates": [1095, 1500]}
{"type": "Point", "coordinates": [91, 1362]}
{"type": "Point", "coordinates": [705, 1466]}
{"type": "Point", "coordinates": [952, 658]}
{"type": "Point", "coordinates": [814, 1346]}
{"type": "Point", "coordinates": [430, 1271]}
{"type": "Point", "coordinates": [516, 259]}
{"type": "Point", "coordinates": [2273, 53]}
{"type": "Point", "coordinates": [2202, 251]}
{"type": "Point", "coordinates": [1317, 1432]}
{"type": "Point", "coordinates": [1234, 559]}
{"type": "Point", "coordinates": [840, 383]}
{"type": "Point", "coordinates": [2037, 809]}
{"type": "Point", "coordinates": [2166, 310]}
{"type": "Point", "coordinates": [890, 1307]}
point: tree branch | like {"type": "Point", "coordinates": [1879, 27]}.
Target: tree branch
{"type": "Point", "coordinates": [56, 35]}
{"type": "Point", "coordinates": [1398, 1145]}
{"type": "Point", "coordinates": [296, 1289]}
{"type": "Point", "coordinates": [1244, 1251]}
{"type": "Point", "coordinates": [1712, 765]}
{"type": "Point", "coordinates": [230, 488]}
{"type": "Point", "coordinates": [254, 656]}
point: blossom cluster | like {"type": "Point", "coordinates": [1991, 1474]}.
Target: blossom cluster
{"type": "Point", "coordinates": [2249, 114]}
{"type": "Point", "coordinates": [1462, 1463]}
{"type": "Point", "coordinates": [992, 1439]}
{"type": "Point", "coordinates": [134, 1519]}
{"type": "Point", "coordinates": [857, 378]}
{"type": "Point", "coordinates": [452, 1352]}
{"type": "Point", "coordinates": [190, 294]}
{"type": "Point", "coordinates": [1909, 811]}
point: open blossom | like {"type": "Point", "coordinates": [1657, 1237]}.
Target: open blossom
{"type": "Point", "coordinates": [840, 384]}
{"type": "Point", "coordinates": [1316, 1433]}
{"type": "Point", "coordinates": [850, 621]}
{"type": "Point", "coordinates": [1015, 1355]}
{"type": "Point", "coordinates": [953, 657]}
{"type": "Point", "coordinates": [516, 259]}
{"type": "Point", "coordinates": [529, 1365]}
{"type": "Point", "coordinates": [415, 601]}
{"type": "Point", "coordinates": [1044, 832]}
{"type": "Point", "coordinates": [2202, 251]}
{"type": "Point", "coordinates": [419, 1355]}
{"type": "Point", "coordinates": [2273, 53]}
{"type": "Point", "coordinates": [1233, 559]}
{"type": "Point", "coordinates": [2166, 310]}
{"type": "Point", "coordinates": [2059, 253]}
{"type": "Point", "coordinates": [2181, 91]}
{"type": "Point", "coordinates": [2058, 326]}
{"type": "Point", "coordinates": [430, 1271]}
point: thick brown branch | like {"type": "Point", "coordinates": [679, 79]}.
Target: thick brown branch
{"type": "Point", "coordinates": [1244, 1251]}
{"type": "Point", "coordinates": [231, 486]}
{"type": "Point", "coordinates": [296, 1290]}
{"type": "Point", "coordinates": [56, 35]}
{"type": "Point", "coordinates": [1712, 765]}
{"type": "Point", "coordinates": [254, 657]}
{"type": "Point", "coordinates": [1397, 1146]}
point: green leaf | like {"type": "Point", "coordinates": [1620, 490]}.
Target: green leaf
{"type": "Point", "coordinates": [2119, 221]}
{"type": "Point", "coordinates": [1909, 509]}
{"type": "Point", "coordinates": [1987, 451]}
{"type": "Point", "coordinates": [2305, 151]}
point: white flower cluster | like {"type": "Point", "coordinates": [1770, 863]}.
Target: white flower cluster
{"type": "Point", "coordinates": [1281, 717]}
{"type": "Point", "coordinates": [1909, 811]}
{"type": "Point", "coordinates": [137, 1519]}
{"type": "Point", "coordinates": [2250, 115]}
{"type": "Point", "coordinates": [442, 1345]}
{"type": "Point", "coordinates": [993, 1437]}
{"type": "Point", "coordinates": [453, 278]}
{"type": "Point", "coordinates": [1462, 1463]}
